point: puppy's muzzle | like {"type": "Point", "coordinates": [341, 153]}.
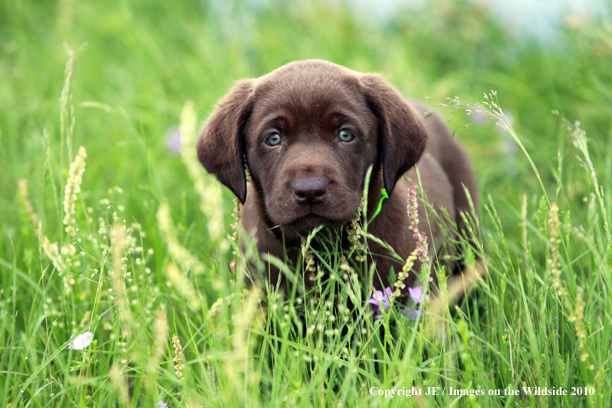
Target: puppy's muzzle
{"type": "Point", "coordinates": [310, 191]}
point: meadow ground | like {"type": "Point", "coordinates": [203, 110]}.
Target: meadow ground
{"type": "Point", "coordinates": [131, 242]}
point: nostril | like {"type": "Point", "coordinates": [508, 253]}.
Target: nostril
{"type": "Point", "coordinates": [311, 191]}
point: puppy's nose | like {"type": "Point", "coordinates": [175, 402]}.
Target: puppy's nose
{"type": "Point", "coordinates": [311, 191]}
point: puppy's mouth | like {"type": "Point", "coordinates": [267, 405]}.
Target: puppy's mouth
{"type": "Point", "coordinates": [332, 213]}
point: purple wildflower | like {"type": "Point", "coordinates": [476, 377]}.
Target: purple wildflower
{"type": "Point", "coordinates": [416, 294]}
{"type": "Point", "coordinates": [173, 140]}
{"type": "Point", "coordinates": [161, 404]}
{"type": "Point", "coordinates": [380, 297]}
{"type": "Point", "coordinates": [413, 314]}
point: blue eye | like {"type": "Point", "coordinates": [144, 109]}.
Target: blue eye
{"type": "Point", "coordinates": [273, 140]}
{"type": "Point", "coordinates": [346, 135]}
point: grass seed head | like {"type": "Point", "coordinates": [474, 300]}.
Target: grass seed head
{"type": "Point", "coordinates": [178, 252]}
{"type": "Point", "coordinates": [72, 189]}
{"type": "Point", "coordinates": [119, 241]}
{"type": "Point", "coordinates": [208, 188]}
{"type": "Point", "coordinates": [554, 262]}
{"type": "Point", "coordinates": [237, 218]}
{"type": "Point", "coordinates": [236, 363]}
{"type": "Point", "coordinates": [355, 235]}
{"type": "Point", "coordinates": [25, 202]}
{"type": "Point", "coordinates": [118, 382]}
{"type": "Point", "coordinates": [577, 317]}
{"type": "Point", "coordinates": [178, 356]}
{"type": "Point", "coordinates": [61, 261]}
{"type": "Point", "coordinates": [182, 283]}
{"type": "Point", "coordinates": [160, 330]}
{"type": "Point", "coordinates": [53, 253]}
{"type": "Point", "coordinates": [421, 250]}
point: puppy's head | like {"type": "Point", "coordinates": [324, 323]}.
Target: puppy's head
{"type": "Point", "coordinates": [308, 132]}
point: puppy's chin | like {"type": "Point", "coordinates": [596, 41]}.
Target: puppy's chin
{"type": "Point", "coordinates": [304, 217]}
{"type": "Point", "coordinates": [311, 221]}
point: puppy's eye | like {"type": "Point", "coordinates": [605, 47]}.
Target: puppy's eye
{"type": "Point", "coordinates": [273, 140]}
{"type": "Point", "coordinates": [346, 135]}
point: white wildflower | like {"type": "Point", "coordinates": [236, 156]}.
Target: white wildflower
{"type": "Point", "coordinates": [81, 341]}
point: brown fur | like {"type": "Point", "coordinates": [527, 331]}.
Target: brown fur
{"type": "Point", "coordinates": [313, 178]}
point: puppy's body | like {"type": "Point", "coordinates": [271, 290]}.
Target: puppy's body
{"type": "Point", "coordinates": [308, 132]}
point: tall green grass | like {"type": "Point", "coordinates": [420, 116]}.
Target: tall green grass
{"type": "Point", "coordinates": [147, 266]}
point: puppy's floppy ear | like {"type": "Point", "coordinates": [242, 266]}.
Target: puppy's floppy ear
{"type": "Point", "coordinates": [401, 133]}
{"type": "Point", "coordinates": [221, 143]}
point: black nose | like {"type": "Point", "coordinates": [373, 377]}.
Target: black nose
{"type": "Point", "coordinates": [309, 191]}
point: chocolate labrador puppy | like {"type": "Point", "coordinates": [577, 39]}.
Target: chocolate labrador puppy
{"type": "Point", "coordinates": [307, 133]}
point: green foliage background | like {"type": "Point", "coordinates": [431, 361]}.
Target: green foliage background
{"type": "Point", "coordinates": [137, 62]}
